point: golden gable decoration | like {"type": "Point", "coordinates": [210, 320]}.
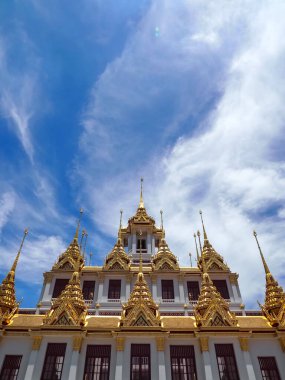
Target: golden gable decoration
{"type": "Point", "coordinates": [140, 310]}
{"type": "Point", "coordinates": [69, 308]}
{"type": "Point", "coordinates": [212, 309]}
{"type": "Point", "coordinates": [68, 260]}
{"type": "Point", "coordinates": [164, 259]}
{"type": "Point", "coordinates": [117, 259]}
{"type": "Point", "coordinates": [212, 260]}
{"type": "Point", "coordinates": [8, 304]}
{"type": "Point", "coordinates": [274, 303]}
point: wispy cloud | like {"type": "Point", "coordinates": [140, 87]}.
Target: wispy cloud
{"type": "Point", "coordinates": [224, 71]}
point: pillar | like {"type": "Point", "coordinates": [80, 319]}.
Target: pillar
{"type": "Point", "coordinates": [204, 346]}
{"type": "Point", "coordinates": [128, 286]}
{"type": "Point", "coordinates": [134, 243]}
{"type": "Point", "coordinates": [149, 243]}
{"type": "Point", "coordinates": [247, 359]}
{"type": "Point", "coordinates": [154, 287]}
{"type": "Point", "coordinates": [181, 288]}
{"type": "Point", "coordinates": [47, 283]}
{"type": "Point", "coordinates": [37, 341]}
{"type": "Point", "coordinates": [120, 346]}
{"type": "Point", "coordinates": [77, 343]}
{"type": "Point", "coordinates": [160, 346]}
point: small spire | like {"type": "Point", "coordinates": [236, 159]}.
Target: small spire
{"type": "Point", "coordinates": [204, 230]}
{"type": "Point", "coordinates": [13, 268]}
{"type": "Point", "coordinates": [82, 236]}
{"type": "Point", "coordinates": [140, 268]}
{"type": "Point", "coordinates": [120, 226]}
{"type": "Point", "coordinates": [161, 219]}
{"type": "Point", "coordinates": [198, 257]}
{"type": "Point", "coordinates": [141, 204]}
{"type": "Point", "coordinates": [86, 237]}
{"type": "Point", "coordinates": [78, 224]}
{"type": "Point", "coordinates": [267, 271]}
{"type": "Point", "coordinates": [199, 235]}
{"type": "Point", "coordinates": [190, 256]}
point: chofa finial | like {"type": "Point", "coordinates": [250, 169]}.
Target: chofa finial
{"type": "Point", "coordinates": [261, 254]}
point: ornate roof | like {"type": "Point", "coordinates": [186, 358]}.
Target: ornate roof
{"type": "Point", "coordinates": [212, 309]}
{"type": "Point", "coordinates": [164, 259]}
{"type": "Point", "coordinates": [117, 259]}
{"type": "Point", "coordinates": [69, 308]}
{"type": "Point", "coordinates": [213, 260]}
{"type": "Point", "coordinates": [8, 304]}
{"type": "Point", "coordinates": [68, 260]}
{"type": "Point", "coordinates": [274, 303]}
{"type": "Point", "coordinates": [140, 310]}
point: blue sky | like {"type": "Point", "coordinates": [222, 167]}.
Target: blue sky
{"type": "Point", "coordinates": [188, 94]}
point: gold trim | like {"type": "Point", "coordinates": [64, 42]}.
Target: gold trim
{"type": "Point", "coordinates": [244, 343]}
{"type": "Point", "coordinates": [204, 343]}
{"type": "Point", "coordinates": [160, 343]}
{"type": "Point", "coordinates": [233, 277]}
{"type": "Point", "coordinates": [77, 343]}
{"type": "Point", "coordinates": [282, 343]}
{"type": "Point", "coordinates": [37, 341]}
{"type": "Point", "coordinates": [120, 343]}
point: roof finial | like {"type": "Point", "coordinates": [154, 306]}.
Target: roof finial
{"type": "Point", "coordinates": [78, 224]}
{"type": "Point", "coordinates": [261, 254]}
{"type": "Point", "coordinates": [198, 233]}
{"type": "Point", "coordinates": [120, 226]}
{"type": "Point", "coordinates": [86, 236]}
{"type": "Point", "coordinates": [141, 205]}
{"type": "Point", "coordinates": [13, 268]}
{"type": "Point", "coordinates": [82, 236]}
{"type": "Point", "coordinates": [204, 231]}
{"type": "Point", "coordinates": [198, 257]}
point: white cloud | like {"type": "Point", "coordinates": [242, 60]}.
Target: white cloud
{"type": "Point", "coordinates": [233, 165]}
{"type": "Point", "coordinates": [7, 205]}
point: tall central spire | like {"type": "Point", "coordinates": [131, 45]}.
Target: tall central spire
{"type": "Point", "coordinates": [78, 224]}
{"type": "Point", "coordinates": [141, 204]}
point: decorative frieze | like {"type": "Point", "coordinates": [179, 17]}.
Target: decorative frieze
{"type": "Point", "coordinates": [233, 277]}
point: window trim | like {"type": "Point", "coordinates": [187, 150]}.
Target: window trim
{"type": "Point", "coordinates": [228, 352]}
{"type": "Point", "coordinates": [168, 293]}
{"type": "Point", "coordinates": [140, 351]}
{"type": "Point", "coordinates": [276, 369]}
{"type": "Point", "coordinates": [5, 366]}
{"type": "Point", "coordinates": [185, 355]}
{"type": "Point", "coordinates": [110, 297]}
{"type": "Point", "coordinates": [198, 288]}
{"type": "Point", "coordinates": [89, 288]}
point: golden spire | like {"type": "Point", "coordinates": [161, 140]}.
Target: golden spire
{"type": "Point", "coordinates": [8, 303]}
{"type": "Point", "coordinates": [197, 253]}
{"type": "Point", "coordinates": [78, 224]}
{"type": "Point", "coordinates": [120, 226]}
{"type": "Point", "coordinates": [211, 308]}
{"type": "Point", "coordinates": [140, 310]}
{"type": "Point", "coordinates": [198, 234]}
{"type": "Point", "coordinates": [164, 259]}
{"type": "Point", "coordinates": [141, 204]}
{"type": "Point", "coordinates": [274, 304]}
{"type": "Point", "coordinates": [213, 261]}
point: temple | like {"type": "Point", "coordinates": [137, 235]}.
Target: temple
{"type": "Point", "coordinates": [141, 315]}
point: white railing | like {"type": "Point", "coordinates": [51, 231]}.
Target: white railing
{"type": "Point", "coordinates": [168, 300]}
{"type": "Point", "coordinates": [88, 302]}
{"type": "Point", "coordinates": [114, 300]}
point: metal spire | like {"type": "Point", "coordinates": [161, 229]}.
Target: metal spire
{"type": "Point", "coordinates": [198, 257]}
{"type": "Point", "coordinates": [267, 271]}
{"type": "Point", "coordinates": [198, 233]}
{"type": "Point", "coordinates": [204, 230]}
{"type": "Point", "coordinates": [141, 204]}
{"type": "Point", "coordinates": [13, 268]}
{"type": "Point", "coordinates": [78, 224]}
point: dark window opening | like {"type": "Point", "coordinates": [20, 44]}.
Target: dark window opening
{"type": "Point", "coordinates": [183, 366]}
{"type": "Point", "coordinates": [167, 289]}
{"type": "Point", "coordinates": [141, 244]}
{"type": "Point", "coordinates": [60, 284]}
{"type": "Point", "coordinates": [226, 362]}
{"type": "Point", "coordinates": [54, 359]}
{"type": "Point", "coordinates": [193, 290]}
{"type": "Point", "coordinates": [156, 243]}
{"type": "Point", "coordinates": [268, 368]}
{"type": "Point", "coordinates": [88, 290]}
{"type": "Point", "coordinates": [126, 242]}
{"type": "Point", "coordinates": [114, 291]}
{"type": "Point", "coordinates": [97, 363]}
{"type": "Point", "coordinates": [222, 288]}
{"type": "Point", "coordinates": [140, 362]}
{"type": "Point", "coordinates": [10, 368]}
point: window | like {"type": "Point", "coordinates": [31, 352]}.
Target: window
{"type": "Point", "coordinates": [193, 290]}
{"type": "Point", "coordinates": [88, 290]}
{"type": "Point", "coordinates": [10, 368]}
{"type": "Point", "coordinates": [126, 242]}
{"type": "Point", "coordinates": [97, 363]}
{"type": "Point", "coordinates": [54, 361]}
{"type": "Point", "coordinates": [141, 244]}
{"type": "Point", "coordinates": [183, 365]}
{"type": "Point", "coordinates": [140, 362]}
{"type": "Point", "coordinates": [60, 284]}
{"type": "Point", "coordinates": [226, 362]}
{"type": "Point", "coordinates": [222, 288]}
{"type": "Point", "coordinates": [114, 292]}
{"type": "Point", "coordinates": [268, 367]}
{"type": "Point", "coordinates": [167, 289]}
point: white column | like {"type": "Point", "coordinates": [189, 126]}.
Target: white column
{"type": "Point", "coordinates": [247, 359]}
{"type": "Point", "coordinates": [128, 286]}
{"type": "Point", "coordinates": [160, 346]}
{"type": "Point", "coordinates": [181, 290]}
{"type": "Point", "coordinates": [154, 287]}
{"type": "Point", "coordinates": [134, 243]}
{"type": "Point", "coordinates": [77, 342]}
{"type": "Point", "coordinates": [33, 358]}
{"type": "Point", "coordinates": [46, 295]}
{"type": "Point", "coordinates": [148, 244]}
{"type": "Point", "coordinates": [204, 345]}
{"type": "Point", "coordinates": [120, 342]}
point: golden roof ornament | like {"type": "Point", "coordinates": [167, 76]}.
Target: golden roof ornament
{"type": "Point", "coordinates": [212, 309]}
{"type": "Point", "coordinates": [118, 259]}
{"type": "Point", "coordinates": [140, 310]}
{"type": "Point", "coordinates": [274, 303]}
{"type": "Point", "coordinates": [164, 259]}
{"type": "Point", "coordinates": [197, 252]}
{"type": "Point", "coordinates": [68, 259]}
{"type": "Point", "coordinates": [8, 304]}
{"type": "Point", "coordinates": [69, 308]}
{"type": "Point", "coordinates": [213, 261]}
{"type": "Point", "coordinates": [141, 216]}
